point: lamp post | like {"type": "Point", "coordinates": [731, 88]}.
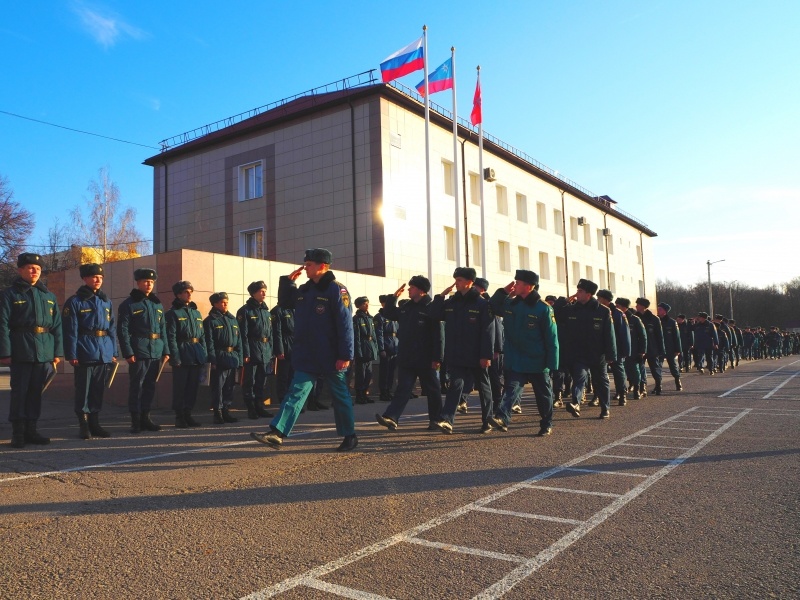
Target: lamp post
{"type": "Point", "coordinates": [710, 297]}
{"type": "Point", "coordinates": [730, 293]}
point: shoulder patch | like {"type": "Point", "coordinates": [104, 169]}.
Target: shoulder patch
{"type": "Point", "coordinates": [345, 295]}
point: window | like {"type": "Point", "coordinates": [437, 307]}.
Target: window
{"type": "Point", "coordinates": [250, 181]}
{"type": "Point", "coordinates": [447, 175]}
{"type": "Point", "coordinates": [524, 258]}
{"type": "Point", "coordinates": [561, 270]}
{"type": "Point", "coordinates": [475, 189]}
{"type": "Point", "coordinates": [449, 243]}
{"type": "Point", "coordinates": [641, 288]}
{"type": "Point", "coordinates": [573, 229]}
{"type": "Point", "coordinates": [612, 282]}
{"type": "Point", "coordinates": [589, 273]}
{"type": "Point", "coordinates": [522, 208]}
{"type": "Point", "coordinates": [587, 235]}
{"type": "Point", "coordinates": [541, 215]}
{"type": "Point", "coordinates": [600, 240]}
{"type": "Point", "coordinates": [544, 265]}
{"type": "Point", "coordinates": [576, 271]}
{"type": "Point", "coordinates": [638, 255]}
{"type": "Point", "coordinates": [602, 282]}
{"type": "Point", "coordinates": [504, 250]}
{"type": "Point", "coordinates": [610, 243]}
{"type": "Point", "coordinates": [251, 243]}
{"type": "Point", "coordinates": [477, 258]}
{"type": "Point", "coordinates": [502, 200]}
{"type": "Point", "coordinates": [558, 222]}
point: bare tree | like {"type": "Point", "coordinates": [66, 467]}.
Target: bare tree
{"type": "Point", "coordinates": [16, 224]}
{"type": "Point", "coordinates": [109, 227]}
{"type": "Point", "coordinates": [60, 253]}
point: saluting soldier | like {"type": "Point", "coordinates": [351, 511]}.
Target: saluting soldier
{"type": "Point", "coordinates": [188, 353]}
{"type": "Point", "coordinates": [90, 343]}
{"type": "Point", "coordinates": [31, 343]}
{"type": "Point", "coordinates": [365, 347]}
{"type": "Point", "coordinates": [224, 343]}
{"type": "Point", "coordinates": [255, 323]}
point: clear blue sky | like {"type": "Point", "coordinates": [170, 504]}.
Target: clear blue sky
{"type": "Point", "coordinates": [684, 112]}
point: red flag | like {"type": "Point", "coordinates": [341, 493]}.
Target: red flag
{"type": "Point", "coordinates": [476, 116]}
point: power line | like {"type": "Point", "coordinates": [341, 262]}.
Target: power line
{"type": "Point", "coordinates": [78, 130]}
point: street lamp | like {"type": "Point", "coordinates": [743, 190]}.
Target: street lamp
{"type": "Point", "coordinates": [710, 297]}
{"type": "Point", "coordinates": [730, 292]}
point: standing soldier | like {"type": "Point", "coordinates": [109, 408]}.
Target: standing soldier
{"type": "Point", "coordinates": [672, 341]}
{"type": "Point", "coordinates": [31, 344]}
{"type": "Point", "coordinates": [283, 336]}
{"type": "Point", "coordinates": [386, 331]}
{"type": "Point", "coordinates": [686, 332]}
{"type": "Point", "coordinates": [706, 341]}
{"type": "Point", "coordinates": [142, 335]}
{"type": "Point", "coordinates": [186, 344]}
{"type": "Point", "coordinates": [365, 347]}
{"type": "Point", "coordinates": [255, 325]}
{"type": "Point", "coordinates": [655, 343]}
{"type": "Point", "coordinates": [635, 362]}
{"type": "Point", "coordinates": [224, 342]}
{"type": "Point", "coordinates": [90, 343]}
{"type": "Point", "coordinates": [622, 336]}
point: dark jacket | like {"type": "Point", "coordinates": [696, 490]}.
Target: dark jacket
{"type": "Point", "coordinates": [22, 307]}
{"type": "Point", "coordinates": [90, 334]}
{"type": "Point", "coordinates": [282, 331]}
{"type": "Point", "coordinates": [622, 331]}
{"type": "Point", "coordinates": [141, 326]}
{"type": "Point", "coordinates": [655, 335]}
{"type": "Point", "coordinates": [672, 335]}
{"type": "Point", "coordinates": [255, 324]}
{"type": "Point", "coordinates": [365, 344]}
{"type": "Point", "coordinates": [532, 342]}
{"type": "Point", "coordinates": [386, 332]}
{"type": "Point", "coordinates": [588, 334]}
{"type": "Point", "coordinates": [186, 338]}
{"type": "Point", "coordinates": [223, 340]}
{"type": "Point", "coordinates": [468, 328]}
{"type": "Point", "coordinates": [686, 331]}
{"type": "Point", "coordinates": [421, 338]}
{"type": "Point", "coordinates": [705, 336]}
{"type": "Point", "coordinates": [638, 334]}
{"type": "Point", "coordinates": [724, 333]}
{"type": "Point", "coordinates": [323, 322]}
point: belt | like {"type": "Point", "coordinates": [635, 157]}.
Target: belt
{"type": "Point", "coordinates": [94, 332]}
{"type": "Point", "coordinates": [31, 329]}
{"type": "Point", "coordinates": [230, 348]}
{"type": "Point", "coordinates": [263, 339]}
{"type": "Point", "coordinates": [154, 336]}
{"type": "Point", "coordinates": [190, 340]}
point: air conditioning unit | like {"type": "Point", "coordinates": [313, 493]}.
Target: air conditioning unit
{"type": "Point", "coordinates": [488, 174]}
{"type": "Point", "coordinates": [606, 232]}
{"type": "Point", "coordinates": [582, 221]}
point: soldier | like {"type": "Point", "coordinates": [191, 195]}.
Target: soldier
{"type": "Point", "coordinates": [142, 336]}
{"type": "Point", "coordinates": [655, 343]}
{"type": "Point", "coordinates": [687, 342]}
{"type": "Point", "coordinates": [748, 341]}
{"type": "Point", "coordinates": [365, 347]}
{"type": "Point", "coordinates": [635, 362]}
{"type": "Point", "coordinates": [323, 346]}
{"type": "Point", "coordinates": [31, 344]}
{"type": "Point", "coordinates": [225, 353]}
{"type": "Point", "coordinates": [672, 341]}
{"type": "Point", "coordinates": [739, 346]}
{"type": "Point", "coordinates": [622, 337]}
{"type": "Point", "coordinates": [724, 333]}
{"type": "Point", "coordinates": [283, 336]}
{"type": "Point", "coordinates": [706, 342]}
{"type": "Point", "coordinates": [186, 343]}
{"type": "Point", "coordinates": [773, 340]}
{"type": "Point", "coordinates": [531, 349]}
{"type": "Point", "coordinates": [258, 341]}
{"type": "Point", "coordinates": [90, 343]}
{"type": "Point", "coordinates": [386, 332]}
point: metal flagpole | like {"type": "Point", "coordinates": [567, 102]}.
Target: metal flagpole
{"type": "Point", "coordinates": [480, 175]}
{"type": "Point", "coordinates": [427, 150]}
{"type": "Point", "coordinates": [455, 160]}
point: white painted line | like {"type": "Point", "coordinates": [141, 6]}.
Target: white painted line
{"type": "Point", "coordinates": [512, 513]}
{"type": "Point", "coordinates": [756, 379]}
{"type": "Point", "coordinates": [703, 423]}
{"type": "Point", "coordinates": [340, 590]}
{"type": "Point", "coordinates": [572, 491]}
{"type": "Point", "coordinates": [634, 457]}
{"type": "Point", "coordinates": [671, 437]}
{"type": "Point", "coordinates": [602, 472]}
{"type": "Point", "coordinates": [710, 416]}
{"type": "Point", "coordinates": [465, 550]}
{"type": "Point", "coordinates": [655, 446]}
{"type": "Point", "coordinates": [688, 428]}
{"type": "Point", "coordinates": [780, 386]}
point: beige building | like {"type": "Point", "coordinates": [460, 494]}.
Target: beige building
{"type": "Point", "coordinates": [345, 170]}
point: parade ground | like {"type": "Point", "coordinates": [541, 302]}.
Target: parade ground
{"type": "Point", "coordinates": [690, 494]}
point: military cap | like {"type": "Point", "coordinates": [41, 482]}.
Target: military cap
{"type": "Point", "coordinates": [29, 258]}
{"type": "Point", "coordinates": [421, 282]}
{"type": "Point", "coordinates": [731, 321]}
{"type": "Point", "coordinates": [361, 300]}
{"type": "Point", "coordinates": [255, 286]}
{"type": "Point", "coordinates": [703, 314]}
{"type": "Point", "coordinates": [214, 298]}
{"type": "Point", "coordinates": [482, 283]}
{"type": "Point", "coordinates": [465, 272]}
{"type": "Point", "coordinates": [90, 270]}
{"type": "Point", "coordinates": [550, 298]}
{"type": "Point", "coordinates": [643, 302]}
{"type": "Point", "coordinates": [528, 277]}
{"type": "Point", "coordinates": [605, 294]}
{"type": "Point", "coordinates": [181, 286]}
{"type": "Point", "coordinates": [718, 317]}
{"type": "Point", "coordinates": [139, 274]}
{"type": "Point", "coordinates": [681, 316]}
{"type": "Point", "coordinates": [383, 298]}
{"type": "Point", "coordinates": [665, 306]}
{"type": "Point", "coordinates": [624, 302]}
{"type": "Point", "coordinates": [319, 255]}
{"type": "Point", "coordinates": [587, 286]}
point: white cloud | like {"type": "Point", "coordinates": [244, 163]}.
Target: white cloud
{"type": "Point", "coordinates": [105, 27]}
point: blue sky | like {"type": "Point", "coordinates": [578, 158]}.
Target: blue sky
{"type": "Point", "coordinates": [684, 112]}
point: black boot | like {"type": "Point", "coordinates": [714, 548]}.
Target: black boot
{"type": "Point", "coordinates": [251, 409]}
{"type": "Point", "coordinates": [261, 411]}
{"type": "Point", "coordinates": [623, 400]}
{"type": "Point", "coordinates": [147, 423]}
{"type": "Point", "coordinates": [94, 426]}
{"type": "Point", "coordinates": [678, 385]}
{"type": "Point", "coordinates": [32, 436]}
{"type": "Point", "coordinates": [361, 398]}
{"type": "Point", "coordinates": [367, 398]}
{"type": "Point", "coordinates": [218, 420]}
{"type": "Point", "coordinates": [83, 424]}
{"type": "Point", "coordinates": [17, 434]}
{"type": "Point", "coordinates": [657, 389]}
{"type": "Point", "coordinates": [190, 420]}
{"type": "Point", "coordinates": [136, 422]}
{"type": "Point", "coordinates": [180, 420]}
{"type": "Point", "coordinates": [349, 443]}
{"type": "Point", "coordinates": [228, 417]}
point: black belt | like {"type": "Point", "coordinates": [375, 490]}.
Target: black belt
{"type": "Point", "coordinates": [263, 339]}
{"type": "Point", "coordinates": [31, 329]}
{"type": "Point", "coordinates": [190, 340]}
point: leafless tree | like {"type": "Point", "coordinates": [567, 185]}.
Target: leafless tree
{"type": "Point", "coordinates": [16, 224]}
{"type": "Point", "coordinates": [60, 253]}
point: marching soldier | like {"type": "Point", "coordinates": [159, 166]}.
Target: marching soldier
{"type": "Point", "coordinates": [706, 342]}
{"type": "Point", "coordinates": [672, 341]}
{"type": "Point", "coordinates": [686, 331]}
{"type": "Point", "coordinates": [255, 325]}
{"type": "Point", "coordinates": [655, 343]}
{"type": "Point", "coordinates": [635, 363]}
{"type": "Point", "coordinates": [622, 336]}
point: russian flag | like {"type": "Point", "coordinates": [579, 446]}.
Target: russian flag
{"type": "Point", "coordinates": [441, 79]}
{"type": "Point", "coordinates": [404, 61]}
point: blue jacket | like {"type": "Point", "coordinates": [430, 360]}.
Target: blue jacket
{"type": "Point", "coordinates": [705, 336]}
{"type": "Point", "coordinates": [672, 335]}
{"type": "Point", "coordinates": [386, 332]}
{"type": "Point", "coordinates": [365, 344]}
{"type": "Point", "coordinates": [141, 326]}
{"type": "Point", "coordinates": [622, 331]}
{"type": "Point", "coordinates": [223, 340]}
{"type": "Point", "coordinates": [22, 307]}
{"type": "Point", "coordinates": [531, 344]}
{"type": "Point", "coordinates": [655, 334]}
{"type": "Point", "coordinates": [90, 334]}
{"type": "Point", "coordinates": [468, 328]}
{"type": "Point", "coordinates": [421, 338]}
{"type": "Point", "coordinates": [687, 335]}
{"type": "Point", "coordinates": [282, 331]}
{"type": "Point", "coordinates": [638, 334]}
{"type": "Point", "coordinates": [186, 338]}
{"type": "Point", "coordinates": [258, 335]}
{"type": "Point", "coordinates": [588, 334]}
{"type": "Point", "coordinates": [323, 322]}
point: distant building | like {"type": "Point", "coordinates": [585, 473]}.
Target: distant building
{"type": "Point", "coordinates": [346, 170]}
{"type": "Point", "coordinates": [79, 255]}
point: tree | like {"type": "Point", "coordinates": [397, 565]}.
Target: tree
{"type": "Point", "coordinates": [109, 227]}
{"type": "Point", "coordinates": [16, 224]}
{"type": "Point", "coordinates": [60, 253]}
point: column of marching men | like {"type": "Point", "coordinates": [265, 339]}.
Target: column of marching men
{"type": "Point", "coordinates": [452, 343]}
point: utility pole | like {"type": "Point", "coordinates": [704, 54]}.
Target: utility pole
{"type": "Point", "coordinates": [710, 297]}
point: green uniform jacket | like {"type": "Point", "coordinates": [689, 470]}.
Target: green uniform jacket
{"type": "Point", "coordinates": [24, 307]}
{"type": "Point", "coordinates": [223, 340]}
{"type": "Point", "coordinates": [365, 342]}
{"type": "Point", "coordinates": [141, 326]}
{"type": "Point", "coordinates": [531, 336]}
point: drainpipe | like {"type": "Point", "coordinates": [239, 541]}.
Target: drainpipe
{"type": "Point", "coordinates": [608, 267]}
{"type": "Point", "coordinates": [464, 198]}
{"type": "Point", "coordinates": [353, 179]}
{"type": "Point", "coordinates": [564, 234]}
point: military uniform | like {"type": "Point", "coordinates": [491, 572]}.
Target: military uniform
{"type": "Point", "coordinates": [685, 330]}
{"type": "Point", "coordinates": [283, 340]}
{"type": "Point", "coordinates": [622, 337]}
{"type": "Point", "coordinates": [386, 332]}
{"type": "Point", "coordinates": [655, 344]}
{"type": "Point", "coordinates": [258, 343]}
{"type": "Point", "coordinates": [224, 343]}
{"type": "Point", "coordinates": [638, 337]}
{"type": "Point", "coordinates": [706, 341]}
{"type": "Point", "coordinates": [365, 347]}
{"type": "Point", "coordinates": [672, 343]}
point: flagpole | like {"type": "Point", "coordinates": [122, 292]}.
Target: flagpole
{"type": "Point", "coordinates": [455, 160]}
{"type": "Point", "coordinates": [480, 175]}
{"type": "Point", "coordinates": [427, 150]}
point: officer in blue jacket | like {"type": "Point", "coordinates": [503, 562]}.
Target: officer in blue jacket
{"type": "Point", "coordinates": [258, 342]}
{"type": "Point", "coordinates": [142, 336]}
{"type": "Point", "coordinates": [386, 332]}
{"type": "Point", "coordinates": [90, 343]}
{"type": "Point", "coordinates": [186, 341]}
{"type": "Point", "coordinates": [323, 346]}
{"type": "Point", "coordinates": [31, 344]}
{"type": "Point", "coordinates": [224, 343]}
{"type": "Point", "coordinates": [622, 336]}
{"type": "Point", "coordinates": [672, 341]}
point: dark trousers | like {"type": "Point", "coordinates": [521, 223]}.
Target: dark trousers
{"type": "Point", "coordinates": [469, 378]}
{"type": "Point", "coordinates": [254, 382]}
{"type": "Point", "coordinates": [722, 359]}
{"type": "Point", "coordinates": [27, 380]}
{"type": "Point", "coordinates": [363, 371]}
{"type": "Point", "coordinates": [386, 372]}
{"type": "Point", "coordinates": [672, 363]}
{"type": "Point", "coordinates": [405, 384]}
{"type": "Point", "coordinates": [633, 369]}
{"type": "Point", "coordinates": [654, 363]}
{"type": "Point", "coordinates": [222, 381]}
{"type": "Point", "coordinates": [686, 359]}
{"type": "Point", "coordinates": [599, 373]}
{"type": "Point", "coordinates": [185, 384]}
{"type": "Point", "coordinates": [142, 383]}
{"type": "Point", "coordinates": [283, 377]}
{"type": "Point", "coordinates": [618, 373]}
{"type": "Point", "coordinates": [700, 354]}
{"type": "Point", "coordinates": [89, 386]}
{"type": "Point", "coordinates": [542, 390]}
{"type": "Point", "coordinates": [496, 381]}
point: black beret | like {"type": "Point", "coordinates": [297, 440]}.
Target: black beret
{"type": "Point", "coordinates": [361, 300]}
{"type": "Point", "coordinates": [214, 298]}
{"type": "Point", "coordinates": [181, 286]}
{"type": "Point", "coordinates": [605, 294]}
{"type": "Point", "coordinates": [90, 270]}
{"type": "Point", "coordinates": [319, 255]}
{"type": "Point", "coordinates": [255, 286]}
{"type": "Point", "coordinates": [29, 258]}
{"type": "Point", "coordinates": [528, 277]}
{"type": "Point", "coordinates": [587, 286]}
{"type": "Point", "coordinates": [548, 298]}
{"type": "Point", "coordinates": [421, 282]}
{"type": "Point", "coordinates": [665, 306]}
{"type": "Point", "coordinates": [643, 302]}
{"type": "Point", "coordinates": [623, 302]}
{"type": "Point", "coordinates": [465, 272]}
{"type": "Point", "coordinates": [482, 283]}
{"type": "Point", "coordinates": [145, 274]}
{"type": "Point", "coordinates": [703, 314]}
